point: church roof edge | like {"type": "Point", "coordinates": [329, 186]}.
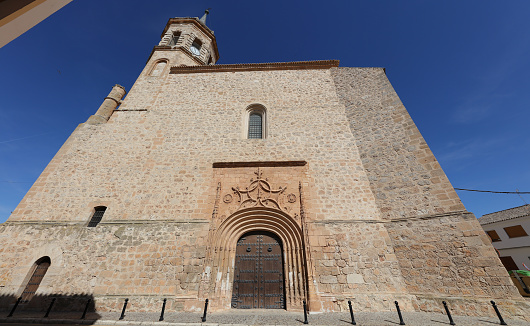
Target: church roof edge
{"type": "Point", "coordinates": [294, 65]}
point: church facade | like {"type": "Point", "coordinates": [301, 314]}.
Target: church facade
{"type": "Point", "coordinates": [253, 186]}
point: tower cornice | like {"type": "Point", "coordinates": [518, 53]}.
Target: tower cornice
{"type": "Point", "coordinates": [169, 48]}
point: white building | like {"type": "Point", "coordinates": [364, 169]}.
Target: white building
{"type": "Point", "coordinates": [508, 230]}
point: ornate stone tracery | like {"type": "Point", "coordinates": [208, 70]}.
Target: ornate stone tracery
{"type": "Point", "coordinates": [259, 194]}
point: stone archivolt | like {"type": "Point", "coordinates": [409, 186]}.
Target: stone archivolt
{"type": "Point", "coordinates": [223, 249]}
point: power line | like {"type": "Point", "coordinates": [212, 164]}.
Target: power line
{"type": "Point", "coordinates": [497, 192]}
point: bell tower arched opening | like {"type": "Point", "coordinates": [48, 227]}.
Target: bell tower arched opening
{"type": "Point", "coordinates": [259, 281]}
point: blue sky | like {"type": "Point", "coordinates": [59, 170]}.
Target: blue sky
{"type": "Point", "coordinates": [460, 67]}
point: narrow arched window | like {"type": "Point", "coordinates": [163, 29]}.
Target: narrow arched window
{"type": "Point", "coordinates": [97, 216]}
{"type": "Point", "coordinates": [256, 122]}
{"type": "Point", "coordinates": [255, 126]}
{"type": "Point", "coordinates": [40, 269]}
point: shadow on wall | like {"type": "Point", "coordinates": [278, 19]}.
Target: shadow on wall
{"type": "Point", "coordinates": [70, 306]}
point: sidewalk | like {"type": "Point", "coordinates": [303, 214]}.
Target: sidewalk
{"type": "Point", "coordinates": [254, 317]}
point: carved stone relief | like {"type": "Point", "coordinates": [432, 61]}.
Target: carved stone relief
{"type": "Point", "coordinates": [260, 192]}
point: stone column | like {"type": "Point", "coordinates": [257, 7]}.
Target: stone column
{"type": "Point", "coordinates": [110, 103]}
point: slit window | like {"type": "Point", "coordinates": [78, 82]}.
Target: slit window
{"type": "Point", "coordinates": [97, 216]}
{"type": "Point", "coordinates": [36, 278]}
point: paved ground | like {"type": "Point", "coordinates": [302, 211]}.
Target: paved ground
{"type": "Point", "coordinates": [255, 317]}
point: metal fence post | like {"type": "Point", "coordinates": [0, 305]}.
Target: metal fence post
{"type": "Point", "coordinates": [14, 307]}
{"type": "Point", "coordinates": [123, 310]}
{"type": "Point", "coordinates": [49, 308]}
{"type": "Point", "coordinates": [498, 313]}
{"type": "Point", "coordinates": [205, 309]}
{"type": "Point", "coordinates": [163, 308]}
{"type": "Point", "coordinates": [86, 308]}
{"type": "Point", "coordinates": [401, 322]}
{"type": "Point", "coordinates": [351, 314]}
{"type": "Point", "coordinates": [451, 322]}
{"type": "Point", "coordinates": [305, 313]}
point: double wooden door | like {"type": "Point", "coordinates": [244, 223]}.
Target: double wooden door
{"type": "Point", "coordinates": [259, 277]}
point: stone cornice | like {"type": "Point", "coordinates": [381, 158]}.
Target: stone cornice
{"type": "Point", "coordinates": [297, 65]}
{"type": "Point", "coordinates": [170, 48]}
{"type": "Point", "coordinates": [465, 214]}
{"type": "Point", "coordinates": [257, 164]}
{"type": "Point", "coordinates": [185, 20]}
{"type": "Point", "coordinates": [108, 222]}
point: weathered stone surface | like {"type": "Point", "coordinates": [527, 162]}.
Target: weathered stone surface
{"type": "Point", "coordinates": [355, 278]}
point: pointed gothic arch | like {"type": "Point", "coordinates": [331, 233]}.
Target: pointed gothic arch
{"type": "Point", "coordinates": [221, 261]}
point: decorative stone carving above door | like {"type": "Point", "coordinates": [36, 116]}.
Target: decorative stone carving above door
{"type": "Point", "coordinates": [261, 190]}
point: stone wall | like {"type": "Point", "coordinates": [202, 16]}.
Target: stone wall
{"type": "Point", "coordinates": [144, 261]}
{"type": "Point", "coordinates": [449, 257]}
{"type": "Point", "coordinates": [355, 261]}
{"type": "Point", "coordinates": [157, 164]}
{"type": "Point", "coordinates": [404, 174]}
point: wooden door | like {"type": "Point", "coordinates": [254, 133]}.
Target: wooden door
{"type": "Point", "coordinates": [258, 280]}
{"type": "Point", "coordinates": [35, 280]}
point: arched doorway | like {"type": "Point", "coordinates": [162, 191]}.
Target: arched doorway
{"type": "Point", "coordinates": [258, 272]}
{"type": "Point", "coordinates": [39, 270]}
{"type": "Point", "coordinates": [219, 270]}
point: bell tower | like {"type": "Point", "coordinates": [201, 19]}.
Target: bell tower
{"type": "Point", "coordinates": [187, 41]}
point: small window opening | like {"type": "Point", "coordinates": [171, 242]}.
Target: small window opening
{"type": "Point", "coordinates": [493, 236]}
{"type": "Point", "coordinates": [515, 231]}
{"type": "Point", "coordinates": [196, 47]}
{"type": "Point", "coordinates": [97, 216]}
{"type": "Point", "coordinates": [509, 263]}
{"type": "Point", "coordinates": [255, 122]}
{"type": "Point", "coordinates": [210, 60]}
{"type": "Point", "coordinates": [255, 126]}
{"type": "Point", "coordinates": [41, 267]}
{"type": "Point", "coordinates": [174, 38]}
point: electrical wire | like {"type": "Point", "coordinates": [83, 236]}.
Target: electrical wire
{"type": "Point", "coordinates": [497, 192]}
